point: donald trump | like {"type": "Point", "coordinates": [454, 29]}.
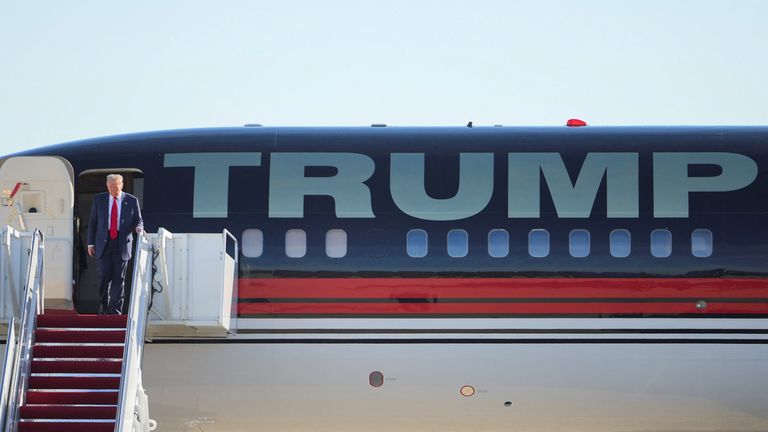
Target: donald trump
{"type": "Point", "coordinates": [115, 216]}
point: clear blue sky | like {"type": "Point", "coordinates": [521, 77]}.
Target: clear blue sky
{"type": "Point", "coordinates": [79, 69]}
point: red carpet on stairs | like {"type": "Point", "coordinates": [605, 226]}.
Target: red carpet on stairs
{"type": "Point", "coordinates": [74, 397]}
{"type": "Point", "coordinates": [85, 335]}
{"type": "Point", "coordinates": [77, 351]}
{"type": "Point", "coordinates": [75, 376]}
{"type": "Point", "coordinates": [79, 365]}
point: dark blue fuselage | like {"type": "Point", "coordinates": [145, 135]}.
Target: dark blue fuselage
{"type": "Point", "coordinates": [376, 246]}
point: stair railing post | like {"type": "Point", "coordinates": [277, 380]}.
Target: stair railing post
{"type": "Point", "coordinates": [164, 237]}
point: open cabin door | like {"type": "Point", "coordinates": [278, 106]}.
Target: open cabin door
{"type": "Point", "coordinates": [38, 193]}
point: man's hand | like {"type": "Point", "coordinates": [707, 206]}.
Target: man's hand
{"type": "Point", "coordinates": [91, 250]}
{"type": "Point", "coordinates": [139, 230]}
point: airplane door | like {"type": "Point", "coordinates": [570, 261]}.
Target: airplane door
{"type": "Point", "coordinates": [38, 193]}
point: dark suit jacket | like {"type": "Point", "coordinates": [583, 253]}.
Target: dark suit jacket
{"type": "Point", "coordinates": [98, 223]}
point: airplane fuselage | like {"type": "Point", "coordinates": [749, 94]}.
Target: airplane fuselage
{"type": "Point", "coordinates": [598, 279]}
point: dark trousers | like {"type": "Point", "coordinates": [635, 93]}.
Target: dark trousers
{"type": "Point", "coordinates": [112, 269]}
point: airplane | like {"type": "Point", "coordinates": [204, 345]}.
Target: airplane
{"type": "Point", "coordinates": [442, 278]}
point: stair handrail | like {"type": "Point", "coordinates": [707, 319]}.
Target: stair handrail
{"type": "Point", "coordinates": [16, 365]}
{"type": "Point", "coordinates": [132, 409]}
{"type": "Point", "coordinates": [8, 369]}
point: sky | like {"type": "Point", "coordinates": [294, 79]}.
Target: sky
{"type": "Point", "coordinates": [81, 69]}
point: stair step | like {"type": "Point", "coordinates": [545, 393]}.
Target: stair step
{"type": "Point", "coordinates": [73, 382]}
{"type": "Point", "coordinates": [59, 426]}
{"type": "Point", "coordinates": [82, 321]}
{"type": "Point", "coordinates": [77, 366]}
{"type": "Point", "coordinates": [62, 335]}
{"type": "Point", "coordinates": [68, 412]}
{"type": "Point", "coordinates": [102, 397]}
{"type": "Point", "coordinates": [77, 351]}
{"type": "Point", "coordinates": [75, 374]}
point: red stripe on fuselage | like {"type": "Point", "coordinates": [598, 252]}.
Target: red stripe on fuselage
{"type": "Point", "coordinates": [513, 288]}
{"type": "Point", "coordinates": [499, 309]}
{"type": "Point", "coordinates": [501, 297]}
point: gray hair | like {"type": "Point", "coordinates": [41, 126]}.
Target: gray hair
{"type": "Point", "coordinates": [115, 177]}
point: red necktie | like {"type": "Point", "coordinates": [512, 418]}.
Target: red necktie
{"type": "Point", "coordinates": [113, 221]}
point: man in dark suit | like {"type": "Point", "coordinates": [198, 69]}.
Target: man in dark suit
{"type": "Point", "coordinates": [115, 215]}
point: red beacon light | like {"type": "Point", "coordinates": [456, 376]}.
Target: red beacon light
{"type": "Point", "coordinates": [575, 123]}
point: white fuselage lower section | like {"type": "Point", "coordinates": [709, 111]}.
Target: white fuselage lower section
{"type": "Point", "coordinates": [526, 376]}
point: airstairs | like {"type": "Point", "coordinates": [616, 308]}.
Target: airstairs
{"type": "Point", "coordinates": [67, 371]}
{"type": "Point", "coordinates": [64, 371]}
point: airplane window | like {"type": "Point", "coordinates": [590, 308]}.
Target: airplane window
{"type": "Point", "coordinates": [578, 243]}
{"type": "Point", "coordinates": [336, 243]}
{"type": "Point", "coordinates": [661, 243]}
{"type": "Point", "coordinates": [252, 243]}
{"type": "Point", "coordinates": [620, 243]}
{"type": "Point", "coordinates": [295, 243]}
{"type": "Point", "coordinates": [538, 243]}
{"type": "Point", "coordinates": [458, 243]}
{"type": "Point", "coordinates": [498, 243]}
{"type": "Point", "coordinates": [701, 243]}
{"type": "Point", "coordinates": [416, 243]}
